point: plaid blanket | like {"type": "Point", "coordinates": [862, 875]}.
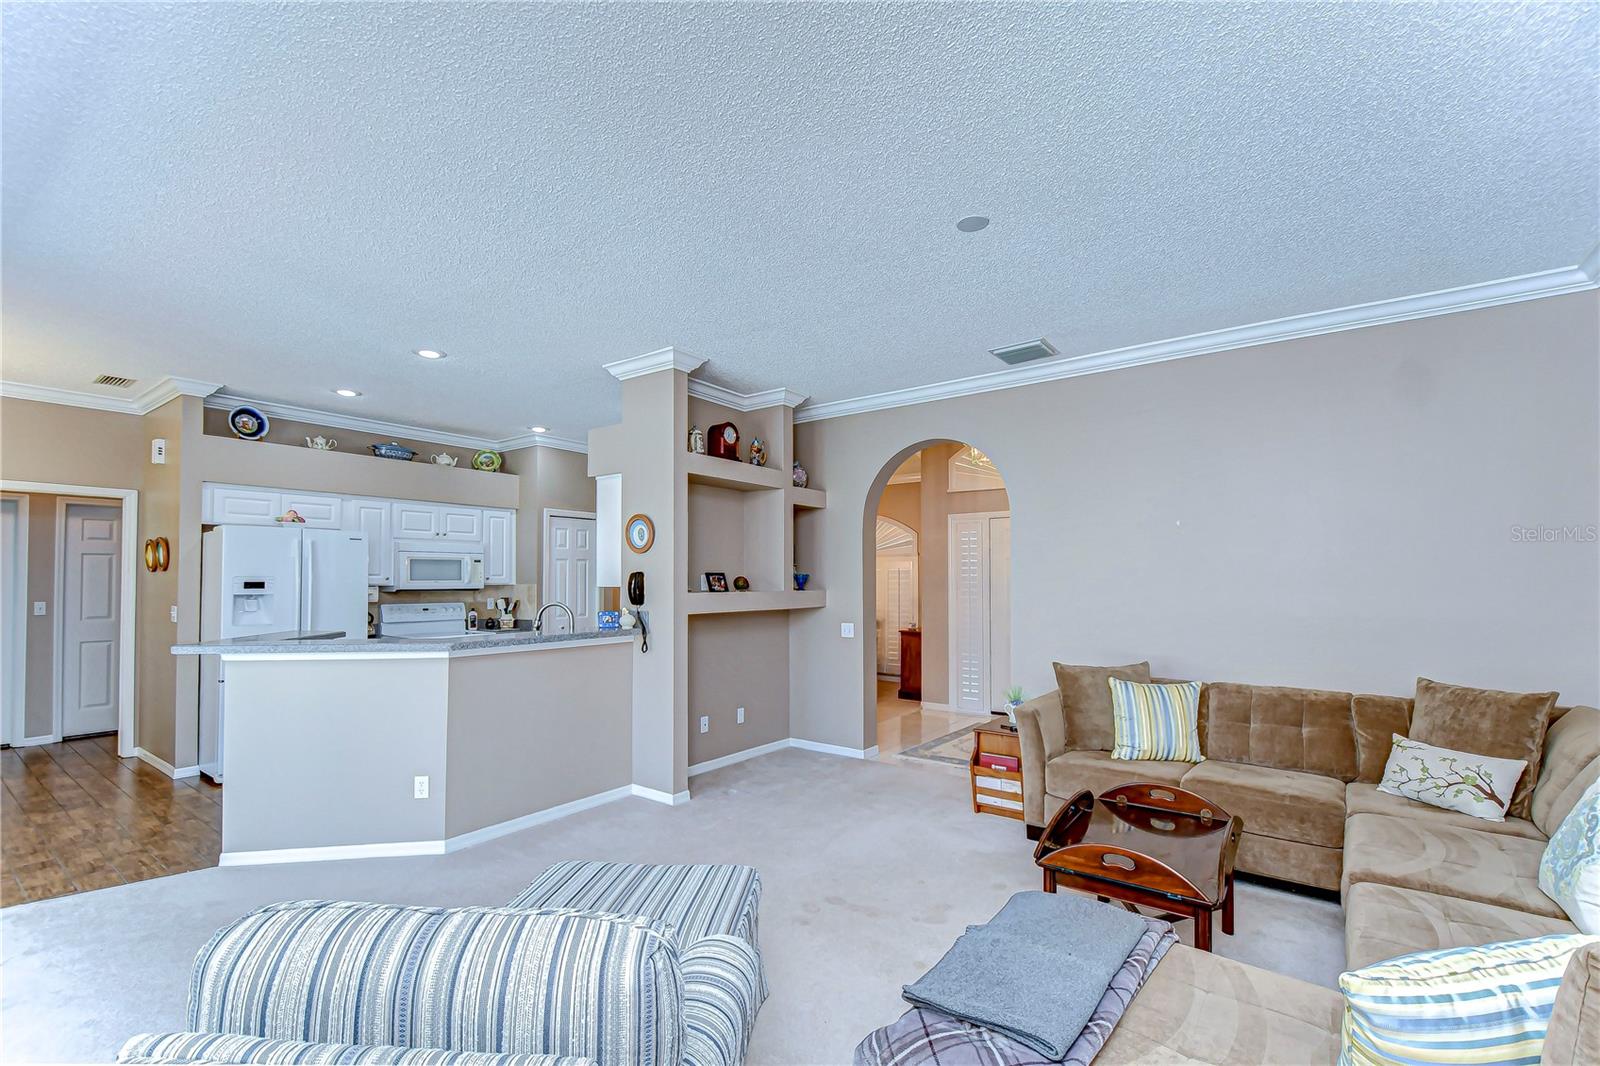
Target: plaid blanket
{"type": "Point", "coordinates": [923, 1037]}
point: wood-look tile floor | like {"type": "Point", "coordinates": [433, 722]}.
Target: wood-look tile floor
{"type": "Point", "coordinates": [75, 817]}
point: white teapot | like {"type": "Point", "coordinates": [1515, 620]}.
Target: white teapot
{"type": "Point", "coordinates": [441, 459]}
{"type": "Point", "coordinates": [321, 443]}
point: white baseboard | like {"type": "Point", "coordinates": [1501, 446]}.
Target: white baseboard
{"type": "Point", "coordinates": [670, 799]}
{"type": "Point", "coordinates": [425, 847]}
{"type": "Point", "coordinates": [334, 852]}
{"type": "Point", "coordinates": [738, 756]}
{"type": "Point", "coordinates": [528, 821]}
{"type": "Point", "coordinates": [835, 749]}
{"type": "Point", "coordinates": [175, 772]}
{"type": "Point", "coordinates": [34, 742]}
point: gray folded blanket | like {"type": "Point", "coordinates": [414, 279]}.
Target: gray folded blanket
{"type": "Point", "coordinates": [922, 1037]}
{"type": "Point", "coordinates": [1036, 971]}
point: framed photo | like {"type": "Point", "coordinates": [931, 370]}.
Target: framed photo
{"type": "Point", "coordinates": [715, 581]}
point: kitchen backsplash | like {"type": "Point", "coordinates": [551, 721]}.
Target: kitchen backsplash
{"type": "Point", "coordinates": [527, 594]}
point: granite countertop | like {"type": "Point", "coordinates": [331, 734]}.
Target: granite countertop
{"type": "Point", "coordinates": [336, 643]}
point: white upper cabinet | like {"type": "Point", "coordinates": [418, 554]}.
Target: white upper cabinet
{"type": "Point", "coordinates": [415, 521]}
{"type": "Point", "coordinates": [438, 521]}
{"type": "Point", "coordinates": [461, 525]}
{"type": "Point", "coordinates": [499, 548]}
{"type": "Point", "coordinates": [319, 509]}
{"type": "Point", "coordinates": [234, 505]}
{"type": "Point", "coordinates": [494, 530]}
{"type": "Point", "coordinates": [374, 518]}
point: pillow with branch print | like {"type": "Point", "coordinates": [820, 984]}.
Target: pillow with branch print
{"type": "Point", "coordinates": [1455, 780]}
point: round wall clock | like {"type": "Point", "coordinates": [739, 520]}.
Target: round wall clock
{"type": "Point", "coordinates": [641, 533]}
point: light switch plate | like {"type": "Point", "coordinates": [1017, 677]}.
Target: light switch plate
{"type": "Point", "coordinates": [158, 450]}
{"type": "Point", "coordinates": [38, 607]}
{"type": "Point", "coordinates": [705, 724]}
{"type": "Point", "coordinates": [174, 612]}
{"type": "Point", "coordinates": [740, 716]}
{"type": "Point", "coordinates": [847, 630]}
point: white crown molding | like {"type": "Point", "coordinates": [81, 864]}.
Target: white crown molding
{"type": "Point", "coordinates": [140, 403]}
{"type": "Point", "coordinates": [661, 359]}
{"type": "Point", "coordinates": [745, 401]}
{"type": "Point", "coordinates": [1380, 312]}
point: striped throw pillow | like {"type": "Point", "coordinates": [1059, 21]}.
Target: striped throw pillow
{"type": "Point", "coordinates": [1156, 721]}
{"type": "Point", "coordinates": [1488, 1004]}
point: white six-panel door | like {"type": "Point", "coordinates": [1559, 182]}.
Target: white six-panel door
{"type": "Point", "coordinates": [980, 610]}
{"type": "Point", "coordinates": [569, 571]}
{"type": "Point", "coordinates": [90, 618]}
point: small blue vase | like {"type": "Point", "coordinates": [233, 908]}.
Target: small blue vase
{"type": "Point", "coordinates": [800, 581]}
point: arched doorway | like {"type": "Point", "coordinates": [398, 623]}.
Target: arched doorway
{"type": "Point", "coordinates": [939, 593]}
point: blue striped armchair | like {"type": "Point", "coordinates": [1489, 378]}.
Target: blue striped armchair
{"type": "Point", "coordinates": [677, 981]}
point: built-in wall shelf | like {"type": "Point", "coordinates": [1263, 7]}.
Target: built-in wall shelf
{"type": "Point", "coordinates": [811, 498]}
{"type": "Point", "coordinates": [727, 474]}
{"type": "Point", "coordinates": [755, 600]}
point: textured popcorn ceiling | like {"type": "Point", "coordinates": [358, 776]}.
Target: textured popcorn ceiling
{"type": "Point", "coordinates": [289, 198]}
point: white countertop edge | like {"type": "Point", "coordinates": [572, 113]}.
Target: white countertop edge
{"type": "Point", "coordinates": [243, 655]}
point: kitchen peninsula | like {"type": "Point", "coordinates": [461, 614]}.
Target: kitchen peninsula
{"type": "Point", "coordinates": [348, 748]}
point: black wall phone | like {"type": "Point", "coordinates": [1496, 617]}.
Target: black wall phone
{"type": "Point", "coordinates": [636, 597]}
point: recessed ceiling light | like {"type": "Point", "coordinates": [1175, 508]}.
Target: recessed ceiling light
{"type": "Point", "coordinates": [429, 353]}
{"type": "Point", "coordinates": [538, 429]}
{"type": "Point", "coordinates": [347, 393]}
{"type": "Point", "coordinates": [972, 224]}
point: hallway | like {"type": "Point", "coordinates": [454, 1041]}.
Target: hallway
{"type": "Point", "coordinates": [904, 724]}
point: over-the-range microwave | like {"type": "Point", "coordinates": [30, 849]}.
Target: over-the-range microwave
{"type": "Point", "coordinates": [434, 567]}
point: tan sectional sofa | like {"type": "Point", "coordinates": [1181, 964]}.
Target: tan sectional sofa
{"type": "Point", "coordinates": [1411, 877]}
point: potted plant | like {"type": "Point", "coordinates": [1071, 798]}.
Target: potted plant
{"type": "Point", "coordinates": [1013, 701]}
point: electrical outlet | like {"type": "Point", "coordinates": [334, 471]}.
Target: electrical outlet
{"type": "Point", "coordinates": [705, 723]}
{"type": "Point", "coordinates": [847, 630]}
{"type": "Point", "coordinates": [38, 607]}
{"type": "Point", "coordinates": [419, 787]}
{"type": "Point", "coordinates": [739, 717]}
{"type": "Point", "coordinates": [174, 612]}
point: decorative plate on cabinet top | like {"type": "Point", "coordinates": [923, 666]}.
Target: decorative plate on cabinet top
{"type": "Point", "coordinates": [247, 423]}
{"type": "Point", "coordinates": [487, 460]}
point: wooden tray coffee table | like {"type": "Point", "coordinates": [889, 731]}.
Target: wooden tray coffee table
{"type": "Point", "coordinates": [1146, 845]}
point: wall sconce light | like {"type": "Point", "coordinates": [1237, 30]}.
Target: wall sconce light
{"type": "Point", "coordinates": [157, 554]}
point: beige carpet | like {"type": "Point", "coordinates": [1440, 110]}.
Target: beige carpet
{"type": "Point", "coordinates": [871, 870]}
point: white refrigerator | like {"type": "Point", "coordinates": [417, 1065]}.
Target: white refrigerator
{"type": "Point", "coordinates": [261, 580]}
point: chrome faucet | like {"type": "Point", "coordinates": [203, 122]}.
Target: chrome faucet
{"type": "Point", "coordinates": [538, 619]}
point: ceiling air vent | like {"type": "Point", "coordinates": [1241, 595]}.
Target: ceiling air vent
{"type": "Point", "coordinates": [114, 381]}
{"type": "Point", "coordinates": [1026, 352]}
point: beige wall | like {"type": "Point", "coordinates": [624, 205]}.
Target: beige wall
{"type": "Point", "coordinates": [241, 462]}
{"type": "Point", "coordinates": [39, 682]}
{"type": "Point", "coordinates": [1334, 511]}
{"type": "Point", "coordinates": [532, 730]}
{"type": "Point", "coordinates": [549, 477]}
{"type": "Point", "coordinates": [51, 443]}
{"type": "Point", "coordinates": [737, 661]}
{"type": "Point", "coordinates": [333, 765]}
{"type": "Point", "coordinates": [645, 448]}
{"type": "Point", "coordinates": [71, 445]}
{"type": "Point", "coordinates": [903, 503]}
